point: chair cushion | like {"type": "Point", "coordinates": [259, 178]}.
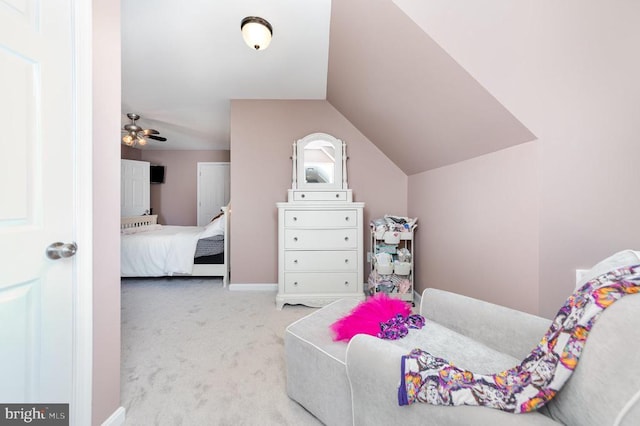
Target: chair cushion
{"type": "Point", "coordinates": [316, 369]}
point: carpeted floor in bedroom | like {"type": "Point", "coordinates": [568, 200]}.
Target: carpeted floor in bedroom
{"type": "Point", "coordinates": [194, 353]}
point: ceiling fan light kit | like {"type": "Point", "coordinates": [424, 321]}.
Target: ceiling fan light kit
{"type": "Point", "coordinates": [256, 32]}
{"type": "Point", "coordinates": [136, 135]}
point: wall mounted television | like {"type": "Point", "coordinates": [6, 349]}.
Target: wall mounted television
{"type": "Point", "coordinates": [156, 174]}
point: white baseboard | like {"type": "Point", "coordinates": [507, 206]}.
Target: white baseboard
{"type": "Point", "coordinates": [115, 419]}
{"type": "Point", "coordinates": [253, 287]}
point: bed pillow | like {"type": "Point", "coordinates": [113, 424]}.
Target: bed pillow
{"type": "Point", "coordinates": [213, 228]}
{"type": "Point", "coordinates": [138, 229]}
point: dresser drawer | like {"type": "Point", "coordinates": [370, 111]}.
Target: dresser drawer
{"type": "Point", "coordinates": [320, 239]}
{"type": "Point", "coordinates": [320, 196]}
{"type": "Point", "coordinates": [320, 218]}
{"type": "Point", "coordinates": [320, 282]}
{"type": "Point", "coordinates": [298, 260]}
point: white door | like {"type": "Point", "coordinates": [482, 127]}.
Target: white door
{"type": "Point", "coordinates": [213, 190]}
{"type": "Point", "coordinates": [37, 200]}
{"type": "Point", "coordinates": [135, 186]}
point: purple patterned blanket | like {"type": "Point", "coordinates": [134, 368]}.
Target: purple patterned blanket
{"type": "Point", "coordinates": [533, 383]}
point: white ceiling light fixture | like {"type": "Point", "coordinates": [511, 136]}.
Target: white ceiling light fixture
{"type": "Point", "coordinates": [256, 32]}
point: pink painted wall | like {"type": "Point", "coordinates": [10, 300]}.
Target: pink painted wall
{"type": "Point", "coordinates": [408, 95]}
{"type": "Point", "coordinates": [262, 134]}
{"type": "Point", "coordinates": [175, 201]}
{"type": "Point", "coordinates": [106, 210]}
{"type": "Point", "coordinates": [478, 227]}
{"type": "Point", "coordinates": [128, 153]}
{"type": "Point", "coordinates": [577, 89]}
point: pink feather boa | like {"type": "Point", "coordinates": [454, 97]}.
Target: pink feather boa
{"type": "Point", "coordinates": [367, 316]}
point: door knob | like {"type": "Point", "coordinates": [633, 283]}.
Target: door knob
{"type": "Point", "coordinates": [59, 250]}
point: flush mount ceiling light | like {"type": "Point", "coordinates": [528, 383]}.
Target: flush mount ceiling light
{"type": "Point", "coordinates": [256, 32]}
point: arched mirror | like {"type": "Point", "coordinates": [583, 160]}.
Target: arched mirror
{"type": "Point", "coordinates": [319, 163]}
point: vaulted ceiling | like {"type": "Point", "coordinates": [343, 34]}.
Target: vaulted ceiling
{"type": "Point", "coordinates": [183, 63]}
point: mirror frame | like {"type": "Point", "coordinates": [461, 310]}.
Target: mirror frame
{"type": "Point", "coordinates": [340, 173]}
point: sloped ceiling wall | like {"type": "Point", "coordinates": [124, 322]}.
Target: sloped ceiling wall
{"type": "Point", "coordinates": [406, 94]}
{"type": "Point", "coordinates": [569, 71]}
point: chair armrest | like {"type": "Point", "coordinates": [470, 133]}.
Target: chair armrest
{"type": "Point", "coordinates": [373, 367]}
{"type": "Point", "coordinates": [504, 329]}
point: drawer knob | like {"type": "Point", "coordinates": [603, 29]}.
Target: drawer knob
{"type": "Point", "coordinates": [346, 238]}
{"type": "Point", "coordinates": [337, 195]}
{"type": "Point", "coordinates": [346, 261]}
{"type": "Point", "coordinates": [346, 218]}
{"type": "Point", "coordinates": [295, 238]}
{"type": "Point", "coordinates": [295, 218]}
{"type": "Point", "coordinates": [295, 283]}
{"type": "Point", "coordinates": [302, 195]}
{"type": "Point", "coordinates": [346, 283]}
{"type": "Point", "coordinates": [295, 261]}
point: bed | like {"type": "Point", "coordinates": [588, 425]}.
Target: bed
{"type": "Point", "coordinates": [152, 250]}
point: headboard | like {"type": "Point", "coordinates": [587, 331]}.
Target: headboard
{"type": "Point", "coordinates": [138, 221]}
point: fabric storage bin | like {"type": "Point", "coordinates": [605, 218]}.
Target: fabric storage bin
{"type": "Point", "coordinates": [401, 268]}
{"type": "Point", "coordinates": [391, 237]}
{"type": "Point", "coordinates": [384, 268]}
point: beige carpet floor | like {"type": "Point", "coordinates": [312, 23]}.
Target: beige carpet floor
{"type": "Point", "coordinates": [194, 353]}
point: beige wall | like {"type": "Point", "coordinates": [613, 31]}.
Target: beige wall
{"type": "Point", "coordinates": [106, 209]}
{"type": "Point", "coordinates": [566, 71]}
{"type": "Point", "coordinates": [175, 201]}
{"type": "Point", "coordinates": [478, 227]}
{"type": "Point", "coordinates": [262, 134]}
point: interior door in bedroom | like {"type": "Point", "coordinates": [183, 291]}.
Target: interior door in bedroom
{"type": "Point", "coordinates": [135, 186]}
{"type": "Point", "coordinates": [213, 190]}
{"type": "Point", "coordinates": [39, 202]}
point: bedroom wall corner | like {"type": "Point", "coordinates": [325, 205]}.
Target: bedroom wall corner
{"type": "Point", "coordinates": [262, 134]}
{"type": "Point", "coordinates": [478, 227]}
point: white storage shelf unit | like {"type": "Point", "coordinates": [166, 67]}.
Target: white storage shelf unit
{"type": "Point", "coordinates": [395, 278]}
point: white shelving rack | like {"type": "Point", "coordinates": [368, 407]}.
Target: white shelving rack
{"type": "Point", "coordinates": [398, 282]}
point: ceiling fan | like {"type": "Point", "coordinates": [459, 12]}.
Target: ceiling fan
{"type": "Point", "coordinates": [134, 134]}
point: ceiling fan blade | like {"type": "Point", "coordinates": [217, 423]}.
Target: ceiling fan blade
{"type": "Point", "coordinates": [157, 138]}
{"type": "Point", "coordinates": [148, 132]}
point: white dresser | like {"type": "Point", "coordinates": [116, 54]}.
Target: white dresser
{"type": "Point", "coordinates": [320, 253]}
{"type": "Point", "coordinates": [320, 228]}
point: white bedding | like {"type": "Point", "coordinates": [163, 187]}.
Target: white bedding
{"type": "Point", "coordinates": [164, 252]}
